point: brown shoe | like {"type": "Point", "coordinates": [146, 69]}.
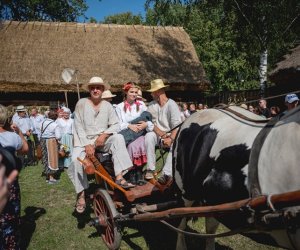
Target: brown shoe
{"type": "Point", "coordinates": [164, 179]}
{"type": "Point", "coordinates": [149, 174]}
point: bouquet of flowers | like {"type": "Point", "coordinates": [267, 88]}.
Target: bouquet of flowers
{"type": "Point", "coordinates": [63, 151]}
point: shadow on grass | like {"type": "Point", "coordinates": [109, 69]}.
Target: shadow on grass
{"type": "Point", "coordinates": [156, 235]}
{"type": "Point", "coordinates": [84, 218]}
{"type": "Point", "coordinates": [28, 224]}
{"type": "Point", "coordinates": [159, 236]}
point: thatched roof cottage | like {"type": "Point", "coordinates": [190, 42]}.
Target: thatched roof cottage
{"type": "Point", "coordinates": [34, 54]}
{"type": "Point", "coordinates": [287, 71]}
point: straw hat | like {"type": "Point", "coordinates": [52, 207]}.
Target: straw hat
{"type": "Point", "coordinates": [156, 85]}
{"type": "Point", "coordinates": [107, 94]}
{"type": "Point", "coordinates": [140, 95]}
{"type": "Point", "coordinates": [96, 80]}
{"type": "Point", "coordinates": [21, 108]}
{"type": "Point", "coordinates": [244, 106]}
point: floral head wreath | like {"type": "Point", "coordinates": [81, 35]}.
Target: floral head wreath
{"type": "Point", "coordinates": [129, 85]}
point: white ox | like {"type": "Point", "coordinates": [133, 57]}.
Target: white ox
{"type": "Point", "coordinates": [211, 156]}
{"type": "Point", "coordinates": [274, 168]}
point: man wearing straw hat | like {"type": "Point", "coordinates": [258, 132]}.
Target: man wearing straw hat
{"type": "Point", "coordinates": [26, 126]}
{"type": "Point", "coordinates": [107, 95]}
{"type": "Point", "coordinates": [166, 116]}
{"type": "Point", "coordinates": [96, 125]}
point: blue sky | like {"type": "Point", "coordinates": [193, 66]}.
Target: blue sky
{"type": "Point", "coordinates": [100, 9]}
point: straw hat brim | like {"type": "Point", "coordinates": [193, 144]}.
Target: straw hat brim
{"type": "Point", "coordinates": [86, 85]}
{"type": "Point", "coordinates": [157, 88]}
{"type": "Point", "coordinates": [109, 96]}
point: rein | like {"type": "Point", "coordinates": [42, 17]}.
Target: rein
{"type": "Point", "coordinates": [206, 235]}
{"type": "Point", "coordinates": [268, 98]}
{"type": "Point", "coordinates": [227, 108]}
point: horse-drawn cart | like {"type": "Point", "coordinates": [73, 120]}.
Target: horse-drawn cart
{"type": "Point", "coordinates": [114, 206]}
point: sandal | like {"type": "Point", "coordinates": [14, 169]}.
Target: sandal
{"type": "Point", "coordinates": [124, 184]}
{"type": "Point", "coordinates": [80, 206]}
{"type": "Point", "coordinates": [149, 174]}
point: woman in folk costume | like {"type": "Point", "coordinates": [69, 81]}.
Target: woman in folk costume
{"type": "Point", "coordinates": [50, 134]}
{"type": "Point", "coordinates": [135, 121]}
{"type": "Point", "coordinates": [66, 125]}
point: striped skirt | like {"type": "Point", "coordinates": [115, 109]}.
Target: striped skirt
{"type": "Point", "coordinates": [49, 155]}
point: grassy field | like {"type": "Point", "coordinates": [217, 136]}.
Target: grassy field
{"type": "Point", "coordinates": [48, 222]}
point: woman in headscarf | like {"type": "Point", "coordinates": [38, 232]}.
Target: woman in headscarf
{"type": "Point", "coordinates": [66, 125]}
{"type": "Point", "coordinates": [135, 121]}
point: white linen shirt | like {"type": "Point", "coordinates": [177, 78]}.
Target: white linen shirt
{"type": "Point", "coordinates": [166, 117]}
{"type": "Point", "coordinates": [11, 139]}
{"type": "Point", "coordinates": [51, 131]}
{"type": "Point", "coordinates": [126, 117]}
{"type": "Point", "coordinates": [66, 125]}
{"type": "Point", "coordinates": [37, 123]}
{"type": "Point", "coordinates": [88, 123]}
{"type": "Point", "coordinates": [23, 123]}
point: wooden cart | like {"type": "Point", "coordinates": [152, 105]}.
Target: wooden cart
{"type": "Point", "coordinates": [113, 206]}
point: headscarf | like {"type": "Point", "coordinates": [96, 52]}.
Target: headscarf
{"type": "Point", "coordinates": [127, 105]}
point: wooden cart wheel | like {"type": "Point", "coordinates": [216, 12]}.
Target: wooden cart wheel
{"type": "Point", "coordinates": [105, 211]}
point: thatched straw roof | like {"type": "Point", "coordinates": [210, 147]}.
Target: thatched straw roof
{"type": "Point", "coordinates": [33, 55]}
{"type": "Point", "coordinates": [288, 70]}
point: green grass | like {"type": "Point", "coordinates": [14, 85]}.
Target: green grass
{"type": "Point", "coordinates": [48, 222]}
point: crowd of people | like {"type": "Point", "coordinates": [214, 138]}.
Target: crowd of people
{"type": "Point", "coordinates": [188, 109]}
{"type": "Point", "coordinates": [129, 131]}
{"type": "Point", "coordinates": [291, 101]}
{"type": "Point", "coordinates": [261, 109]}
{"type": "Point", "coordinates": [19, 137]}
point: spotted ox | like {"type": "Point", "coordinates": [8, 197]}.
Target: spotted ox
{"type": "Point", "coordinates": [211, 156]}
{"type": "Point", "coordinates": [274, 168]}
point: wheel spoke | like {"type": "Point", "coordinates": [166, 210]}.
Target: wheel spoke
{"type": "Point", "coordinates": [110, 227]}
{"type": "Point", "coordinates": [104, 206]}
{"type": "Point", "coordinates": [97, 207]}
{"type": "Point", "coordinates": [101, 205]}
{"type": "Point", "coordinates": [109, 235]}
{"type": "Point", "coordinates": [97, 211]}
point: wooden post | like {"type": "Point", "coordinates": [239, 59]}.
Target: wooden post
{"type": "Point", "coordinates": [78, 93]}
{"type": "Point", "coordinates": [66, 98]}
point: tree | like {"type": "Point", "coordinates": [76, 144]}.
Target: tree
{"type": "Point", "coordinates": [214, 40]}
{"type": "Point", "coordinates": [259, 30]}
{"type": "Point", "coordinates": [93, 20]}
{"type": "Point", "coordinates": [42, 10]}
{"type": "Point", "coordinates": [273, 25]}
{"type": "Point", "coordinates": [124, 18]}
